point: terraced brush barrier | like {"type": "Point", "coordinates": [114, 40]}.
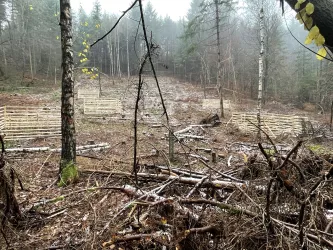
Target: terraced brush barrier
{"type": "Point", "coordinates": [24, 123]}
{"type": "Point", "coordinates": [272, 124]}
{"type": "Point", "coordinates": [215, 104]}
{"type": "Point", "coordinates": [88, 93]}
{"type": "Point", "coordinates": [2, 121]}
{"type": "Point", "coordinates": [102, 106]}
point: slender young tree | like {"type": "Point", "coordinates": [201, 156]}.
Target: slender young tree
{"type": "Point", "coordinates": [261, 68]}
{"type": "Point", "coordinates": [219, 82]}
{"type": "Point", "coordinates": [127, 51]}
{"type": "Point", "coordinates": [68, 170]}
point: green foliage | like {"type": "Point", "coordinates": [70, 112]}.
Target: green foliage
{"type": "Point", "coordinates": [304, 16]}
{"type": "Point", "coordinates": [69, 173]}
{"type": "Point", "coordinates": [269, 152]}
{"type": "Point", "coordinates": [309, 8]}
{"type": "Point", "coordinates": [59, 198]}
{"type": "Point", "coordinates": [321, 54]}
{"type": "Point", "coordinates": [85, 51]}
{"type": "Point", "coordinates": [9, 144]}
{"type": "Point", "coordinates": [318, 149]}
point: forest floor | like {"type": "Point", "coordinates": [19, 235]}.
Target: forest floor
{"type": "Point", "coordinates": [99, 210]}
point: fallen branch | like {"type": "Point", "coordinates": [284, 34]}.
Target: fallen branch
{"type": "Point", "coordinates": [206, 150]}
{"type": "Point", "coordinates": [153, 236]}
{"type": "Point", "coordinates": [182, 172]}
{"type": "Point", "coordinates": [196, 186]}
{"type": "Point", "coordinates": [185, 130]}
{"type": "Point", "coordinates": [129, 190]}
{"type": "Point", "coordinates": [220, 173]}
{"type": "Point", "coordinates": [162, 177]}
{"type": "Point", "coordinates": [200, 157]}
{"type": "Point", "coordinates": [328, 227]}
{"type": "Point", "coordinates": [221, 205]}
{"type": "Point", "coordinates": [197, 137]}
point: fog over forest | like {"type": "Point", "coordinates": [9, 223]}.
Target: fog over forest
{"type": "Point", "coordinates": [187, 47]}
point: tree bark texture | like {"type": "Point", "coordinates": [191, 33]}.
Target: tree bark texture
{"type": "Point", "coordinates": [322, 17]}
{"type": "Point", "coordinates": [261, 68]}
{"type": "Point", "coordinates": [68, 153]}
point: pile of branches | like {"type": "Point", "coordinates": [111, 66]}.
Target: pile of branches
{"type": "Point", "coordinates": [276, 201]}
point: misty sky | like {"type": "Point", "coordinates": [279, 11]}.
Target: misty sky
{"type": "Point", "coordinates": [173, 8]}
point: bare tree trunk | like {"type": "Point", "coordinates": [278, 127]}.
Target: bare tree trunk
{"type": "Point", "coordinates": [109, 42]}
{"type": "Point", "coordinates": [265, 74]}
{"type": "Point", "coordinates": [115, 54]}
{"type": "Point", "coordinates": [101, 53]}
{"type": "Point", "coordinates": [5, 60]}
{"type": "Point", "coordinates": [203, 75]}
{"type": "Point", "coordinates": [219, 82]}
{"type": "Point", "coordinates": [34, 57]}
{"type": "Point", "coordinates": [49, 63]}
{"type": "Point", "coordinates": [68, 170]}
{"type": "Point", "coordinates": [31, 65]}
{"type": "Point", "coordinates": [118, 53]}
{"type": "Point", "coordinates": [261, 69]}
{"type": "Point", "coordinates": [128, 64]}
{"type": "Point", "coordinates": [55, 75]}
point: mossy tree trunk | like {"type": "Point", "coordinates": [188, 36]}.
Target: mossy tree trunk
{"type": "Point", "coordinates": [68, 171]}
{"type": "Point", "coordinates": [11, 210]}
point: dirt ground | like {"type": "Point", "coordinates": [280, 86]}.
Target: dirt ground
{"type": "Point", "coordinates": [83, 218]}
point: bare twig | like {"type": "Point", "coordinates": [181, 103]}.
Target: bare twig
{"type": "Point", "coordinates": [236, 210]}
{"type": "Point", "coordinates": [299, 143]}
{"type": "Point", "coordinates": [115, 25]}
{"type": "Point", "coordinates": [329, 225]}
{"type": "Point", "coordinates": [196, 186]}
{"type": "Point", "coordinates": [262, 150]}
{"type": "Point", "coordinates": [138, 97]}
{"type": "Point", "coordinates": [220, 173]}
{"type": "Point", "coordinates": [297, 167]}
{"type": "Point", "coordinates": [151, 62]}
{"type": "Point", "coordinates": [267, 136]}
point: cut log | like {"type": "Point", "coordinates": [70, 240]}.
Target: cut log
{"type": "Point", "coordinates": [79, 149]}
{"type": "Point", "coordinates": [27, 150]}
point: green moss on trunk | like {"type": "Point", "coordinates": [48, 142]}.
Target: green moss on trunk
{"type": "Point", "coordinates": [69, 174]}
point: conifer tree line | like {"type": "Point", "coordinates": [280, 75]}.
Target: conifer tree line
{"type": "Point", "coordinates": [30, 47]}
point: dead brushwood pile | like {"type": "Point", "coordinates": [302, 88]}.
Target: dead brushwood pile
{"type": "Point", "coordinates": [260, 196]}
{"type": "Point", "coordinates": [276, 197]}
{"type": "Point", "coordinates": [221, 190]}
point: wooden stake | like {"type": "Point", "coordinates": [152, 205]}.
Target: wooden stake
{"type": "Point", "coordinates": [214, 157]}
{"type": "Point", "coordinates": [331, 116]}
{"type": "Point", "coordinates": [171, 145]}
